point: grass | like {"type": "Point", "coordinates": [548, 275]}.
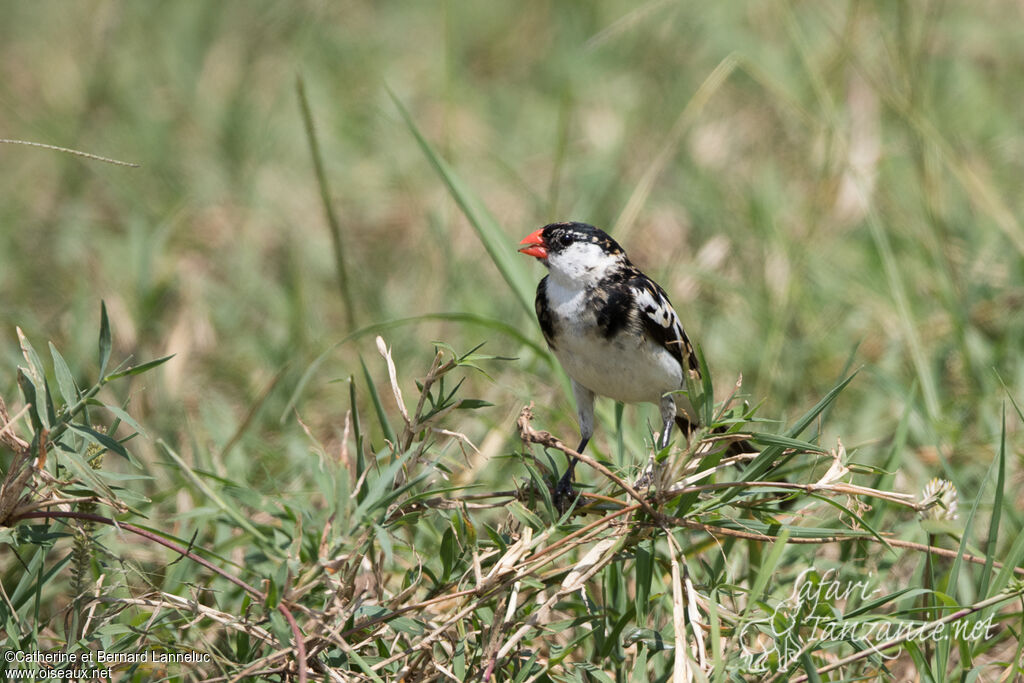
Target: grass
{"type": "Point", "coordinates": [825, 191]}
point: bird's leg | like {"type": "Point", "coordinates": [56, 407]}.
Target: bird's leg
{"type": "Point", "coordinates": [564, 493]}
{"type": "Point", "coordinates": [668, 416]}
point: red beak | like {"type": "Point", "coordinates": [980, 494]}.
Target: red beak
{"type": "Point", "coordinates": [533, 245]}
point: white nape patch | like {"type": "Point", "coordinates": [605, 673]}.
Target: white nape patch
{"type": "Point", "coordinates": [580, 264]}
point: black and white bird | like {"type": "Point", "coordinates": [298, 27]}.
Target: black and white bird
{"type": "Point", "coordinates": [612, 328]}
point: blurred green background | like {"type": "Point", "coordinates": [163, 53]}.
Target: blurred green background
{"type": "Point", "coordinates": [817, 186]}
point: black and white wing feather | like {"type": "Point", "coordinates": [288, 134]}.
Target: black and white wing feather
{"type": "Point", "coordinates": [660, 322]}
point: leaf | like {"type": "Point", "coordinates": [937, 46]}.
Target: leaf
{"type": "Point", "coordinates": [382, 414]}
{"type": "Point", "coordinates": [449, 552]}
{"type": "Point", "coordinates": [65, 380]}
{"type": "Point", "coordinates": [997, 509]}
{"type": "Point", "coordinates": [35, 368]}
{"type": "Point", "coordinates": [785, 442]}
{"type": "Point", "coordinates": [138, 369]}
{"type": "Point", "coordinates": [120, 413]}
{"type": "Point", "coordinates": [231, 511]}
{"type": "Point", "coordinates": [761, 464]}
{"type": "Point", "coordinates": [28, 391]}
{"type": "Point", "coordinates": [644, 578]}
{"type": "Point", "coordinates": [766, 571]}
{"type": "Point", "coordinates": [35, 375]}
{"type": "Point", "coordinates": [473, 404]}
{"type": "Point", "coordinates": [104, 343]}
{"type": "Point", "coordinates": [498, 245]}
{"type": "Point", "coordinates": [101, 439]}
{"type": "Point", "coordinates": [90, 477]}
{"type": "Point", "coordinates": [520, 512]}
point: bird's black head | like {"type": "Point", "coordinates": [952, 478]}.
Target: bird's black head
{"type": "Point", "coordinates": [575, 252]}
{"type": "Point", "coordinates": [557, 237]}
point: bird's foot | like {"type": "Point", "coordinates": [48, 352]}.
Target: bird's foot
{"type": "Point", "coordinates": [646, 477]}
{"type": "Point", "coordinates": [564, 494]}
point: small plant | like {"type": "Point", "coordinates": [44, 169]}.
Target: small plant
{"type": "Point", "coordinates": [392, 572]}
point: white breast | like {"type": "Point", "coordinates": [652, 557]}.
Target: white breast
{"type": "Point", "coordinates": [629, 367]}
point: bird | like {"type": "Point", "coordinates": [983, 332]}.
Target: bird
{"type": "Point", "coordinates": [612, 328]}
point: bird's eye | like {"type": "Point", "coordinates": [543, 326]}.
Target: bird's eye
{"type": "Point", "coordinates": [563, 239]}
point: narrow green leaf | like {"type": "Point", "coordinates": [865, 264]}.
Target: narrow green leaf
{"type": "Point", "coordinates": [644, 578]}
{"type": "Point", "coordinates": [120, 414]}
{"type": "Point", "coordinates": [500, 247]}
{"type": "Point", "coordinates": [520, 512]}
{"type": "Point", "coordinates": [100, 439]}
{"type": "Point", "coordinates": [231, 511]}
{"type": "Point", "coordinates": [473, 404]}
{"type": "Point", "coordinates": [767, 570]}
{"type": "Point", "coordinates": [449, 551]}
{"type": "Point", "coordinates": [785, 442]}
{"type": "Point", "coordinates": [809, 417]}
{"type": "Point", "coordinates": [511, 331]}
{"type": "Point", "coordinates": [138, 369]}
{"type": "Point", "coordinates": [378, 406]}
{"type": "Point", "coordinates": [357, 434]}
{"type": "Point", "coordinates": [65, 380]}
{"type": "Point", "coordinates": [707, 393]}
{"type": "Point", "coordinates": [808, 666]}
{"type": "Point", "coordinates": [333, 224]}
{"type": "Point", "coordinates": [528, 667]}
{"type": "Point", "coordinates": [36, 371]}
{"type": "Point", "coordinates": [28, 391]}
{"type": "Point", "coordinates": [84, 472]}
{"type": "Point", "coordinates": [876, 604]}
{"type": "Point", "coordinates": [1011, 560]}
{"type": "Point", "coordinates": [35, 374]}
{"type": "Point", "coordinates": [104, 338]}
{"type": "Point", "coordinates": [51, 412]}
{"type": "Point", "coordinates": [759, 465]}
{"type": "Point", "coordinates": [997, 511]}
{"type": "Point", "coordinates": [273, 594]}
{"type": "Point", "coordinates": [715, 625]}
{"type": "Point", "coordinates": [34, 576]}
{"type": "Point", "coordinates": [381, 489]}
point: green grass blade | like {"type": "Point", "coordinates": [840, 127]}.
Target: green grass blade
{"type": "Point", "coordinates": [493, 324]}
{"type": "Point", "coordinates": [499, 246]}
{"type": "Point", "coordinates": [759, 465]}
{"type": "Point", "coordinates": [997, 511]}
{"type": "Point", "coordinates": [333, 225]}
{"type": "Point", "coordinates": [767, 571]}
{"type": "Point", "coordinates": [382, 414]}
{"type": "Point", "coordinates": [231, 511]}
{"type": "Point", "coordinates": [898, 289]}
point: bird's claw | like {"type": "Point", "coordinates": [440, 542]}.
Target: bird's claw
{"type": "Point", "coordinates": [644, 480]}
{"type": "Point", "coordinates": [564, 494]}
{"type": "Point", "coordinates": [646, 477]}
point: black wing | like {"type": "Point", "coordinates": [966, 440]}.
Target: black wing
{"type": "Point", "coordinates": [544, 317]}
